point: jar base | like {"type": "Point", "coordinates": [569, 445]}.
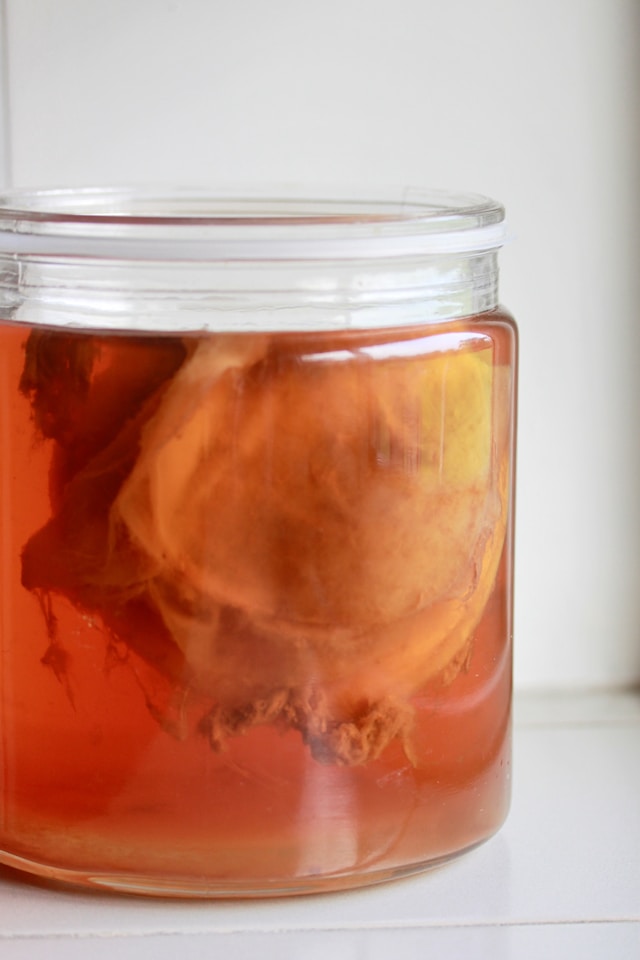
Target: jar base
{"type": "Point", "coordinates": [201, 889]}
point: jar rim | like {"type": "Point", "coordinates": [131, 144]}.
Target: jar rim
{"type": "Point", "coordinates": [279, 223]}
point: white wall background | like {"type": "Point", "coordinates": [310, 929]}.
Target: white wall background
{"type": "Point", "coordinates": [536, 103]}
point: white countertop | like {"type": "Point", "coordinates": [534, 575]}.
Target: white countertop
{"type": "Point", "coordinates": [561, 879]}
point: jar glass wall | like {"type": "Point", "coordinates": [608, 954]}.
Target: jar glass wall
{"type": "Point", "coordinates": [257, 484]}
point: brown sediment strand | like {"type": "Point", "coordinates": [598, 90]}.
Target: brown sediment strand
{"type": "Point", "coordinates": [352, 740]}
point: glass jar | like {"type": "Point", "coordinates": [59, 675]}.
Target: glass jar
{"type": "Point", "coordinates": [256, 500]}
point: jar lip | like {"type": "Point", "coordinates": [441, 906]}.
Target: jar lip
{"type": "Point", "coordinates": [280, 223]}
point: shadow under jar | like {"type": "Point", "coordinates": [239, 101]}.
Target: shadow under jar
{"type": "Point", "coordinates": [256, 537]}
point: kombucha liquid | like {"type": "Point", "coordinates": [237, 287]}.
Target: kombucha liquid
{"type": "Point", "coordinates": [255, 625]}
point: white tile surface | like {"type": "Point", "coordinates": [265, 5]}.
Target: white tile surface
{"type": "Point", "coordinates": [588, 941]}
{"type": "Point", "coordinates": [537, 103]}
{"type": "Point", "coordinates": [562, 879]}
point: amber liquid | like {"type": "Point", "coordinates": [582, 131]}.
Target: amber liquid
{"type": "Point", "coordinates": [150, 723]}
